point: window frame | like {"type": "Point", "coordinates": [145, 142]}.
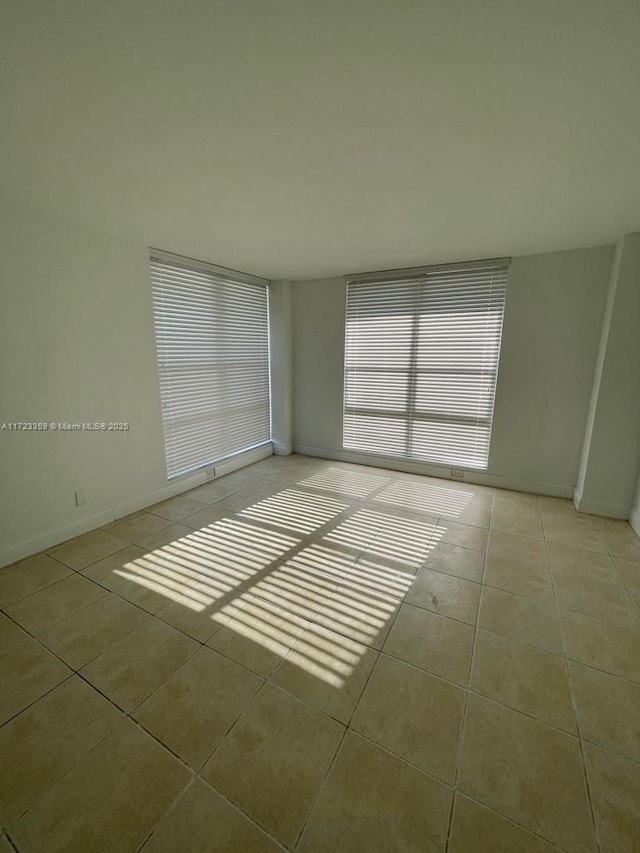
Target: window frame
{"type": "Point", "coordinates": [177, 270]}
{"type": "Point", "coordinates": [486, 282]}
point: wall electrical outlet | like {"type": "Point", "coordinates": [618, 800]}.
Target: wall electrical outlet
{"type": "Point", "coordinates": [457, 474]}
{"type": "Point", "coordinates": [81, 498]}
{"type": "Point", "coordinates": [210, 473]}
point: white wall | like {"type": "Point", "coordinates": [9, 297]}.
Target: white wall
{"type": "Point", "coordinates": [281, 366]}
{"type": "Point", "coordinates": [611, 452]}
{"type": "Point", "coordinates": [553, 317]}
{"type": "Point", "coordinates": [76, 344]}
{"type": "Point", "coordinates": [634, 515]}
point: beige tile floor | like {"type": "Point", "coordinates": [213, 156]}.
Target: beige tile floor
{"type": "Point", "coordinates": [318, 656]}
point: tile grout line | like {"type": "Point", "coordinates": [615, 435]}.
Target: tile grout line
{"type": "Point", "coordinates": [244, 813]}
{"type": "Point", "coordinates": [198, 772]}
{"type": "Point", "coordinates": [129, 714]}
{"type": "Point", "coordinates": [575, 706]}
{"type": "Point", "coordinates": [312, 622]}
{"type": "Point", "coordinates": [468, 690]}
{"type": "Point", "coordinates": [635, 606]}
{"type": "Point", "coordinates": [347, 728]}
{"type": "Point", "coordinates": [465, 710]}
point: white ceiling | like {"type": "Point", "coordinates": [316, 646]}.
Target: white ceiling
{"type": "Point", "coordinates": [307, 138]}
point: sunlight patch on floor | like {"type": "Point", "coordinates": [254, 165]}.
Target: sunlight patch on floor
{"type": "Point", "coordinates": [378, 578]}
{"type": "Point", "coordinates": [402, 539]}
{"type": "Point", "coordinates": [322, 559]}
{"type": "Point", "coordinates": [296, 511]}
{"type": "Point", "coordinates": [267, 588]}
{"type": "Point", "coordinates": [421, 497]}
{"type": "Point", "coordinates": [346, 482]}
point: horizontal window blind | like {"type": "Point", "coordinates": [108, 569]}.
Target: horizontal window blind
{"type": "Point", "coordinates": [212, 337]}
{"type": "Point", "coordinates": [421, 362]}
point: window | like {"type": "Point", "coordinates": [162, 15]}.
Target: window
{"type": "Point", "coordinates": [421, 362]}
{"type": "Point", "coordinates": [212, 336]}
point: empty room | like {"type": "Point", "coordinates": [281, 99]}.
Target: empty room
{"type": "Point", "coordinates": [319, 426]}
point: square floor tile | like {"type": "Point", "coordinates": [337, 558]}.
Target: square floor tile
{"type": "Point", "coordinates": [348, 483]}
{"type": "Point", "coordinates": [175, 509]}
{"type": "Point", "coordinates": [376, 576]}
{"type": "Point", "coordinates": [420, 495]}
{"type": "Point", "coordinates": [284, 748]}
{"type": "Point", "coordinates": [241, 500]}
{"type": "Point", "coordinates": [607, 645]}
{"type": "Point", "coordinates": [608, 709]}
{"type": "Point", "coordinates": [256, 634]}
{"type": "Point", "coordinates": [362, 615]}
{"type": "Point", "coordinates": [44, 609]}
{"type": "Point", "coordinates": [209, 515]}
{"type": "Point", "coordinates": [193, 710]}
{"type": "Point", "coordinates": [519, 565]}
{"type": "Point", "coordinates": [629, 571]}
{"type": "Point", "coordinates": [528, 772]}
{"type": "Point", "coordinates": [355, 528]}
{"type": "Point", "coordinates": [136, 665]}
{"type": "Point", "coordinates": [412, 714]}
{"type": "Point", "coordinates": [373, 801]}
{"type": "Point", "coordinates": [29, 576]}
{"type": "Point", "coordinates": [403, 537]}
{"type": "Point", "coordinates": [446, 595]}
{"type": "Point", "coordinates": [610, 525]}
{"type": "Point", "coordinates": [517, 518]}
{"type": "Point", "coordinates": [588, 582]}
{"type": "Point", "coordinates": [623, 543]}
{"type": "Point", "coordinates": [27, 672]}
{"type": "Point", "coordinates": [83, 636]}
{"type": "Point", "coordinates": [462, 535]}
{"type": "Point", "coordinates": [110, 801]}
{"type": "Point", "coordinates": [574, 531]}
{"type": "Point", "coordinates": [84, 550]}
{"type": "Point", "coordinates": [555, 506]}
{"type": "Point", "coordinates": [454, 560]}
{"type": "Point", "coordinates": [519, 618]}
{"type": "Point", "coordinates": [506, 548]}
{"type": "Point", "coordinates": [165, 536]}
{"type": "Point", "coordinates": [294, 588]}
{"type": "Point", "coordinates": [146, 580]}
{"type": "Point", "coordinates": [524, 678]}
{"type": "Point", "coordinates": [521, 580]}
{"type": "Point", "coordinates": [211, 493]}
{"type": "Point", "coordinates": [478, 829]}
{"type": "Point", "coordinates": [614, 783]}
{"type": "Point", "coordinates": [190, 616]}
{"type": "Point", "coordinates": [138, 526]}
{"type": "Point", "coordinates": [475, 511]}
{"type": "Point", "coordinates": [11, 635]}
{"type": "Point", "coordinates": [320, 558]}
{"type": "Point", "coordinates": [210, 824]}
{"type": "Point", "coordinates": [46, 741]}
{"type": "Point", "coordinates": [432, 642]}
{"type": "Point", "coordinates": [326, 670]}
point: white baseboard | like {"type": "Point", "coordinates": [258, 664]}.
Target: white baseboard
{"type": "Point", "coordinates": [282, 449]}
{"type": "Point", "coordinates": [480, 478]}
{"type": "Point", "coordinates": [92, 522]}
{"type": "Point", "coordinates": [606, 510]}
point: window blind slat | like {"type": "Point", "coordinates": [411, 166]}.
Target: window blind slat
{"type": "Point", "coordinates": [421, 363]}
{"type": "Point", "coordinates": [212, 340]}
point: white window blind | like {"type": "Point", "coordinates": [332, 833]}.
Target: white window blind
{"type": "Point", "coordinates": [421, 362]}
{"type": "Point", "coordinates": [212, 336]}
